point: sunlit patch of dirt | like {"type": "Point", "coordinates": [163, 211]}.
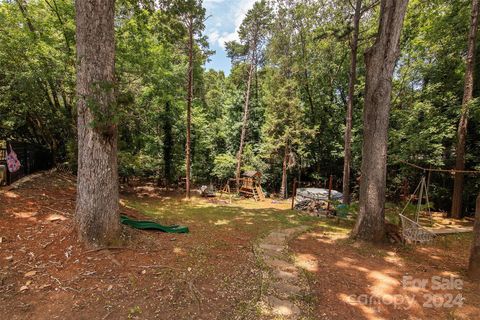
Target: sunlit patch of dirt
{"type": "Point", "coordinates": [306, 261]}
{"type": "Point", "coordinates": [30, 215]}
{"type": "Point", "coordinates": [355, 280]}
{"type": "Point", "coordinates": [10, 194]}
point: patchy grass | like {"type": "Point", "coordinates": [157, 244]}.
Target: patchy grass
{"type": "Point", "coordinates": [210, 273]}
{"type": "Point", "coordinates": [254, 218]}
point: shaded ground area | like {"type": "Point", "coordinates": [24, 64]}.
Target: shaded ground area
{"type": "Point", "coordinates": [210, 273]}
{"type": "Point", "coordinates": [214, 271]}
{"type": "Point", "coordinates": [360, 281]}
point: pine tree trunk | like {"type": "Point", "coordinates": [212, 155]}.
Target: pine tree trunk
{"type": "Point", "coordinates": [462, 126]}
{"type": "Point", "coordinates": [474, 262]}
{"type": "Point", "coordinates": [97, 208]}
{"type": "Point", "coordinates": [351, 92]}
{"type": "Point", "coordinates": [189, 107]}
{"type": "Point", "coordinates": [380, 63]}
{"type": "Point", "coordinates": [283, 188]}
{"type": "Point", "coordinates": [244, 122]}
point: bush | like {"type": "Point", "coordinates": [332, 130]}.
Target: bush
{"type": "Point", "coordinates": [224, 166]}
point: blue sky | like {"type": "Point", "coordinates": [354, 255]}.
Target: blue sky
{"type": "Point", "coordinates": [222, 25]}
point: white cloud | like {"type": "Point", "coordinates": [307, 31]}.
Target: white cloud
{"type": "Point", "coordinates": [225, 37]}
{"type": "Point", "coordinates": [214, 36]}
{"type": "Point", "coordinates": [226, 15]}
{"type": "Point", "coordinates": [241, 11]}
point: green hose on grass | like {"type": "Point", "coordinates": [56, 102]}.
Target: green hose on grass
{"type": "Point", "coordinates": [150, 225]}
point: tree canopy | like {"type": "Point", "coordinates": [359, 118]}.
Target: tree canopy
{"type": "Point", "coordinates": [298, 90]}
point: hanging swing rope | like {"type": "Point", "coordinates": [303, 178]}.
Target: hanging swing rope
{"type": "Point", "coordinates": [421, 189]}
{"type": "Point", "coordinates": [412, 230]}
{"type": "Point", "coordinates": [451, 171]}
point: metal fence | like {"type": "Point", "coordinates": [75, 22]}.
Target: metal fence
{"type": "Point", "coordinates": [32, 158]}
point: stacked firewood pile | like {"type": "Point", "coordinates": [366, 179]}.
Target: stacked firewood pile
{"type": "Point", "coordinates": [312, 207]}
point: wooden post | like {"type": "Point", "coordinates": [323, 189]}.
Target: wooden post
{"type": "Point", "coordinates": [294, 192]}
{"type": "Point", "coordinates": [474, 261]}
{"type": "Point", "coordinates": [9, 176]}
{"type": "Point", "coordinates": [420, 198]}
{"type": "Point", "coordinates": [329, 192]}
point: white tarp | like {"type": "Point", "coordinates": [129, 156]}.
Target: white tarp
{"type": "Point", "coordinates": [317, 194]}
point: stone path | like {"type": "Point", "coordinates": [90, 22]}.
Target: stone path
{"type": "Point", "coordinates": [284, 279]}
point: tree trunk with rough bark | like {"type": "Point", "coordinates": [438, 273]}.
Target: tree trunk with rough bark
{"type": "Point", "coordinates": [474, 262]}
{"type": "Point", "coordinates": [189, 106]}
{"type": "Point", "coordinates": [244, 122]}
{"type": "Point", "coordinates": [380, 64]}
{"type": "Point", "coordinates": [97, 207]}
{"type": "Point", "coordinates": [351, 92]}
{"type": "Point", "coordinates": [167, 144]}
{"type": "Point", "coordinates": [462, 126]}
{"type": "Point", "coordinates": [283, 188]}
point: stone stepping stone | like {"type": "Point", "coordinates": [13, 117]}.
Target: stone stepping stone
{"type": "Point", "coordinates": [272, 247]}
{"type": "Point", "coordinates": [276, 238]}
{"type": "Point", "coordinates": [275, 263]}
{"type": "Point", "coordinates": [282, 307]}
{"type": "Point", "coordinates": [291, 231]}
{"type": "Point", "coordinates": [286, 289]}
{"type": "Point", "coordinates": [285, 274]}
{"type": "Point", "coordinates": [282, 275]}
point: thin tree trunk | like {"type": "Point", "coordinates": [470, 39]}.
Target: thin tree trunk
{"type": "Point", "coordinates": [23, 10]}
{"type": "Point", "coordinates": [167, 144]}
{"type": "Point", "coordinates": [54, 8]}
{"type": "Point", "coordinates": [283, 188]}
{"type": "Point", "coordinates": [474, 262]}
{"type": "Point", "coordinates": [244, 122]}
{"type": "Point", "coordinates": [97, 211]}
{"type": "Point", "coordinates": [351, 92]}
{"type": "Point", "coordinates": [462, 126]}
{"type": "Point", "coordinates": [189, 106]}
{"type": "Point", "coordinates": [305, 73]}
{"type": "Point", "coordinates": [380, 63]}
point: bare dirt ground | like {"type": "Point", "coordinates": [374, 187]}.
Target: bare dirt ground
{"type": "Point", "coordinates": [360, 281]}
{"type": "Point", "coordinates": [210, 273]}
{"type": "Point", "coordinates": [46, 274]}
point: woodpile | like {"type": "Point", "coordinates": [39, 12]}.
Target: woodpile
{"type": "Point", "coordinates": [313, 207]}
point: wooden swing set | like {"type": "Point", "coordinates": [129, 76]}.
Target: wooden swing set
{"type": "Point", "coordinates": [250, 185]}
{"type": "Point", "coordinates": [413, 230]}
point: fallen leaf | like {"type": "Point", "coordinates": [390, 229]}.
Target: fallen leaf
{"type": "Point", "coordinates": [30, 273]}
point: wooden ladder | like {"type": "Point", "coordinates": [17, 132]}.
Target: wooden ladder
{"type": "Point", "coordinates": [260, 194]}
{"type": "Point", "coordinates": [255, 194]}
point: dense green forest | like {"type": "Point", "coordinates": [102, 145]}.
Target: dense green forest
{"type": "Point", "coordinates": [291, 64]}
{"type": "Point", "coordinates": [327, 168]}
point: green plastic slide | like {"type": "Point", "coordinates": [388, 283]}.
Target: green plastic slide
{"type": "Point", "coordinates": [150, 225]}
